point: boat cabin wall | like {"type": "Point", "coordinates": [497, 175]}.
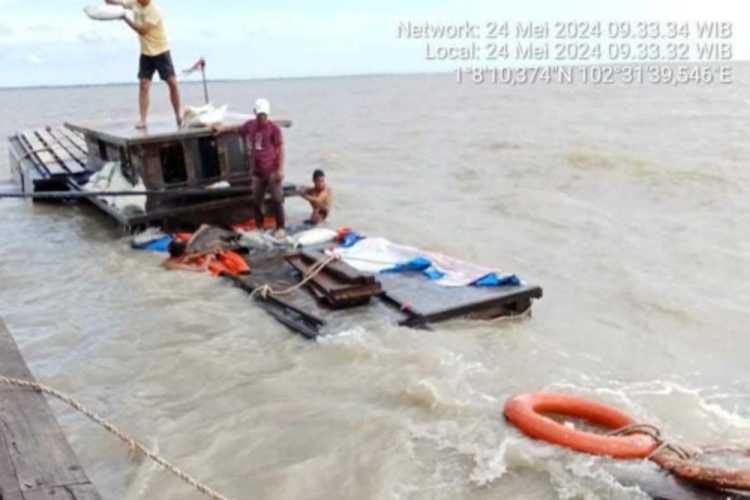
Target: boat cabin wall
{"type": "Point", "coordinates": [193, 163]}
{"type": "Point", "coordinates": [101, 152]}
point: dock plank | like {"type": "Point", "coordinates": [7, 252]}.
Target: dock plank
{"type": "Point", "coordinates": [43, 153]}
{"type": "Point", "coordinates": [36, 460]}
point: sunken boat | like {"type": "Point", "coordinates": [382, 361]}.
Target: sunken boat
{"type": "Point", "coordinates": [183, 180]}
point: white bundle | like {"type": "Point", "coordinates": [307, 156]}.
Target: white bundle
{"type": "Point", "coordinates": [104, 12]}
{"type": "Point", "coordinates": [204, 116]}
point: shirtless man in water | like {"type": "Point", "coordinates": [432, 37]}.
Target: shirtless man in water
{"type": "Point", "coordinates": [319, 197]}
{"type": "Point", "coordinates": [155, 55]}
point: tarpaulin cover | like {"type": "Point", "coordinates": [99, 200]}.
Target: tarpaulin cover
{"type": "Point", "coordinates": [375, 255]}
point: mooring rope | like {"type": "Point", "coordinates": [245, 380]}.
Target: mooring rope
{"type": "Point", "coordinates": [266, 290]}
{"type": "Point", "coordinates": [682, 451]}
{"type": "Point", "coordinates": [135, 446]}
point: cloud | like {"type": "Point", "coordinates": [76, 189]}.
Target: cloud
{"type": "Point", "coordinates": [93, 36]}
{"type": "Point", "coordinates": [34, 59]}
{"type": "Point", "coordinates": [5, 31]}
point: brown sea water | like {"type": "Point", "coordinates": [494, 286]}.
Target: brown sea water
{"type": "Point", "coordinates": [627, 204]}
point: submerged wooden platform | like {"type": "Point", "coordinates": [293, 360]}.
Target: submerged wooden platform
{"type": "Point", "coordinates": [36, 460]}
{"type": "Point", "coordinates": [407, 299]}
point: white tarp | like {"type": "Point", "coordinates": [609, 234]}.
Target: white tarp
{"type": "Point", "coordinates": [373, 255]}
{"type": "Point", "coordinates": [110, 178]}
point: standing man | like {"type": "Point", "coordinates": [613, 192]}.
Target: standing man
{"type": "Point", "coordinates": [265, 158]}
{"type": "Point", "coordinates": [265, 150]}
{"type": "Point", "coordinates": [155, 55]}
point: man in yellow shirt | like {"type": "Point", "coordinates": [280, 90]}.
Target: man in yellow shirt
{"type": "Point", "coordinates": [155, 55]}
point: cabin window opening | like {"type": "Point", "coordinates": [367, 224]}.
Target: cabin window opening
{"type": "Point", "coordinates": [103, 151]}
{"type": "Point", "coordinates": [210, 164]}
{"type": "Point", "coordinates": [173, 163]}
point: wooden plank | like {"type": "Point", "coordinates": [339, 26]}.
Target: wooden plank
{"type": "Point", "coordinates": [10, 489]}
{"type": "Point", "coordinates": [71, 157]}
{"type": "Point", "coordinates": [36, 461]}
{"type": "Point", "coordinates": [339, 269]}
{"type": "Point", "coordinates": [432, 303]}
{"type": "Point", "coordinates": [76, 139]}
{"type": "Point", "coordinates": [68, 491]}
{"type": "Point", "coordinates": [28, 153]}
{"type": "Point", "coordinates": [61, 154]}
{"type": "Point", "coordinates": [337, 294]}
{"type": "Point", "coordinates": [42, 152]}
{"type": "Point", "coordinates": [72, 148]}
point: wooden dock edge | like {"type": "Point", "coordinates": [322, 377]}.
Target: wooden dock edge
{"type": "Point", "coordinates": [36, 460]}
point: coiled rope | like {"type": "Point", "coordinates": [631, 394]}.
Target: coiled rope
{"type": "Point", "coordinates": [134, 446]}
{"type": "Point", "coordinates": [266, 290]}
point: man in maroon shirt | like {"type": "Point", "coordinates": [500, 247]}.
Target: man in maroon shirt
{"type": "Point", "coordinates": [265, 154]}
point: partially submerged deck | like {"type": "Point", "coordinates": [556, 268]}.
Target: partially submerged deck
{"type": "Point", "coordinates": [169, 160]}
{"type": "Point", "coordinates": [36, 460]}
{"type": "Point", "coordinates": [408, 299]}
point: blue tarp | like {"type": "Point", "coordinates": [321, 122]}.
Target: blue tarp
{"type": "Point", "coordinates": [159, 245]}
{"type": "Point", "coordinates": [350, 239]}
{"type": "Point", "coordinates": [424, 265]}
{"type": "Point", "coordinates": [493, 279]}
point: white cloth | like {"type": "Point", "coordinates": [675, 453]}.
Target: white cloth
{"type": "Point", "coordinates": [111, 178]}
{"type": "Point", "coordinates": [373, 255]}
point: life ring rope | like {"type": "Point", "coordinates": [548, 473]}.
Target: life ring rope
{"type": "Point", "coordinates": [626, 439]}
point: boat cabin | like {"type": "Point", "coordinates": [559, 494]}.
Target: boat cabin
{"type": "Point", "coordinates": [176, 166]}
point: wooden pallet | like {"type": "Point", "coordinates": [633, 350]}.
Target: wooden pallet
{"type": "Point", "coordinates": [57, 153]}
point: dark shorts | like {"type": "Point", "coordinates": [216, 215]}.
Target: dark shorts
{"type": "Point", "coordinates": [161, 63]}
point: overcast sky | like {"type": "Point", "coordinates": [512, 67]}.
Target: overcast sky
{"type": "Point", "coordinates": [51, 42]}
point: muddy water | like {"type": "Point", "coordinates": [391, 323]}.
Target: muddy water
{"type": "Point", "coordinates": [629, 205]}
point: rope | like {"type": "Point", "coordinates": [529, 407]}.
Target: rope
{"type": "Point", "coordinates": [134, 446]}
{"type": "Point", "coordinates": [682, 451]}
{"type": "Point", "coordinates": [266, 290]}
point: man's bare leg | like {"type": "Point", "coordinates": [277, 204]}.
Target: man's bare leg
{"type": "Point", "coordinates": [174, 96]}
{"type": "Point", "coordinates": [143, 98]}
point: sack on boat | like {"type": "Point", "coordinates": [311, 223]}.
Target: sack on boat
{"type": "Point", "coordinates": [204, 116]}
{"type": "Point", "coordinates": [316, 236]}
{"type": "Point", "coordinates": [104, 12]}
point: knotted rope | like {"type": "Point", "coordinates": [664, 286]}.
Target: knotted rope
{"type": "Point", "coordinates": [682, 451]}
{"type": "Point", "coordinates": [134, 446]}
{"type": "Point", "coordinates": [266, 290]}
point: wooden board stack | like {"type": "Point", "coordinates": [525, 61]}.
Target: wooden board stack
{"type": "Point", "coordinates": [339, 285]}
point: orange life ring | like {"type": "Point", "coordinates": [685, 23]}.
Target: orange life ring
{"type": "Point", "coordinates": [714, 477]}
{"type": "Point", "coordinates": [525, 412]}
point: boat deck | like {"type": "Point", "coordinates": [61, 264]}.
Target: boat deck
{"type": "Point", "coordinates": [36, 460]}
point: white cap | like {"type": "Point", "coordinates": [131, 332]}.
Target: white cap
{"type": "Point", "coordinates": [262, 106]}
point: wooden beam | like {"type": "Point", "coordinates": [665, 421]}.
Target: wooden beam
{"type": "Point", "coordinates": [36, 460]}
